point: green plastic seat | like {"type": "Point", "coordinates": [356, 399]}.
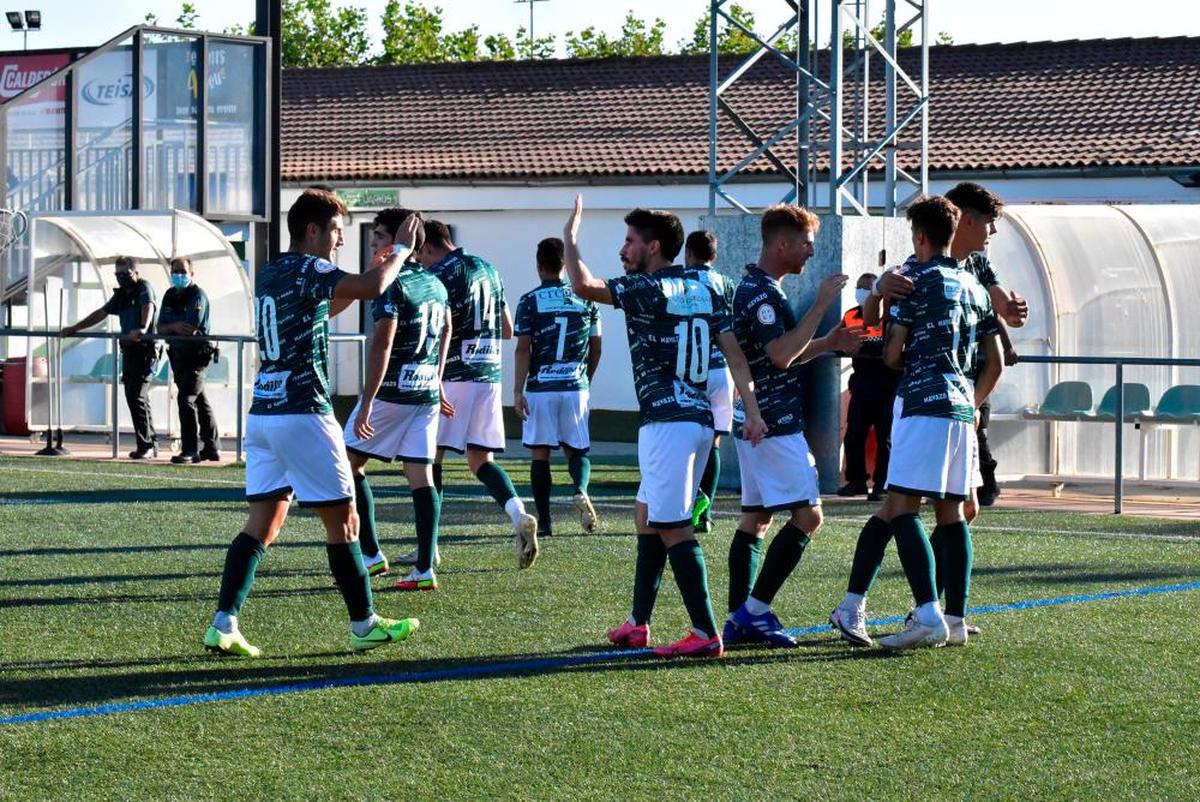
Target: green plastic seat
{"type": "Point", "coordinates": [1137, 402]}
{"type": "Point", "coordinates": [1070, 400]}
{"type": "Point", "coordinates": [1180, 403]}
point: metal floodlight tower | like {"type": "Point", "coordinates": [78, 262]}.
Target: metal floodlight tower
{"type": "Point", "coordinates": [837, 108]}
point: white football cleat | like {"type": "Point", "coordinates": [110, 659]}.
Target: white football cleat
{"type": "Point", "coordinates": [852, 624]}
{"type": "Point", "coordinates": [916, 635]}
{"type": "Point", "coordinates": [525, 540]}
{"type": "Point", "coordinates": [587, 513]}
{"type": "Point", "coordinates": [957, 631]}
{"type": "Point", "coordinates": [411, 558]}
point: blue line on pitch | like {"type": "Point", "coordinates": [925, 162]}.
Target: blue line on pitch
{"type": "Point", "coordinates": [524, 666]}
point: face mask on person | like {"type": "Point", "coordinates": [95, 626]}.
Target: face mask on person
{"type": "Point", "coordinates": [125, 280]}
{"type": "Point", "coordinates": [179, 280]}
{"type": "Point", "coordinates": [861, 296]}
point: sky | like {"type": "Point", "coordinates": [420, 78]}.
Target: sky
{"type": "Point", "coordinates": [84, 23]}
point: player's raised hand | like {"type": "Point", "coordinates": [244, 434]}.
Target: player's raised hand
{"type": "Point", "coordinates": [571, 229]}
{"type": "Point", "coordinates": [407, 235]}
{"type": "Point", "coordinates": [754, 429]}
{"type": "Point", "coordinates": [830, 288]}
{"type": "Point", "coordinates": [362, 422]}
{"type": "Point", "coordinates": [1016, 310]}
{"type": "Point", "coordinates": [892, 286]}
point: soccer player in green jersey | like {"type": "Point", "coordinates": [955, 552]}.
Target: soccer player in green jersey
{"type": "Point", "coordinates": [979, 209]}
{"type": "Point", "coordinates": [779, 475]}
{"type": "Point", "coordinates": [700, 252]}
{"type": "Point", "coordinates": [293, 443]}
{"type": "Point", "coordinates": [558, 350]}
{"type": "Point", "coordinates": [397, 414]}
{"type": "Point", "coordinates": [672, 318]}
{"type": "Point", "coordinates": [480, 321]}
{"type": "Point", "coordinates": [933, 335]}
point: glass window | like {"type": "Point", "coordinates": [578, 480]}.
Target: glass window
{"type": "Point", "coordinates": [104, 130]}
{"type": "Point", "coordinates": [171, 67]}
{"type": "Point", "coordinates": [236, 82]}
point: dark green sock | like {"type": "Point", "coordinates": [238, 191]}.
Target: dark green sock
{"type": "Point", "coordinates": [427, 509]}
{"type": "Point", "coordinates": [647, 576]}
{"type": "Point", "coordinates": [956, 561]}
{"type": "Point", "coordinates": [691, 575]}
{"type": "Point", "coordinates": [364, 503]}
{"type": "Point", "coordinates": [710, 479]}
{"type": "Point", "coordinates": [494, 478]}
{"type": "Point", "coordinates": [868, 554]}
{"type": "Point", "coordinates": [783, 555]}
{"type": "Point", "coordinates": [915, 556]}
{"type": "Point", "coordinates": [937, 543]}
{"type": "Point", "coordinates": [437, 477]}
{"type": "Point", "coordinates": [744, 551]}
{"type": "Point", "coordinates": [539, 478]}
{"type": "Point", "coordinates": [580, 467]}
{"type": "Point", "coordinates": [345, 562]}
{"type": "Point", "coordinates": [241, 561]}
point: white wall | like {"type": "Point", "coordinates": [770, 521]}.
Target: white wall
{"type": "Point", "coordinates": [503, 224]}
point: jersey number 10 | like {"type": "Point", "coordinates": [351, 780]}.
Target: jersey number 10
{"type": "Point", "coordinates": [691, 358]}
{"type": "Point", "coordinates": [268, 327]}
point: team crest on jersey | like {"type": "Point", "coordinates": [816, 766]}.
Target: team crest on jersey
{"type": "Point", "coordinates": [765, 314]}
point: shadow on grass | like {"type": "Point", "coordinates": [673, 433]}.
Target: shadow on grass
{"type": "Point", "coordinates": [155, 495]}
{"type": "Point", "coordinates": [1081, 574]}
{"type": "Point", "coordinates": [231, 676]}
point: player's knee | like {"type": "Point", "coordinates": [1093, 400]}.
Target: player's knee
{"type": "Point", "coordinates": [808, 519]}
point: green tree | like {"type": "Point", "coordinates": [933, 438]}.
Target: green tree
{"type": "Point", "coordinates": [730, 39]}
{"type": "Point", "coordinates": [316, 35]}
{"type": "Point", "coordinates": [186, 19]}
{"type": "Point", "coordinates": [637, 39]}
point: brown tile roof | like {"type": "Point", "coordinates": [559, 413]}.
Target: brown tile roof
{"type": "Point", "coordinates": [1075, 104]}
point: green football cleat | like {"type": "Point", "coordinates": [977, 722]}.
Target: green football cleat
{"type": "Point", "coordinates": [703, 502]}
{"type": "Point", "coordinates": [217, 641]}
{"type": "Point", "coordinates": [386, 630]}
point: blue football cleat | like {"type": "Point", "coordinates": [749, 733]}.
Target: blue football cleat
{"type": "Point", "coordinates": [764, 628]}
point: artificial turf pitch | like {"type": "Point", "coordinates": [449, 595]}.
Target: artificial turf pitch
{"type": "Point", "coordinates": [109, 573]}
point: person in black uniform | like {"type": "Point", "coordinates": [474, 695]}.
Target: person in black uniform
{"type": "Point", "coordinates": [185, 314]}
{"type": "Point", "coordinates": [872, 393]}
{"type": "Point", "coordinates": [134, 304]}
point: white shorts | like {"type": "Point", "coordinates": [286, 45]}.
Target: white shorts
{"type": "Point", "coordinates": [671, 457]}
{"type": "Point", "coordinates": [977, 472]}
{"type": "Point", "coordinates": [932, 457]}
{"type": "Point", "coordinates": [406, 432]}
{"type": "Point", "coordinates": [557, 418]}
{"type": "Point", "coordinates": [478, 421]}
{"type": "Point", "coordinates": [778, 474]}
{"type": "Point", "coordinates": [302, 454]}
{"type": "Point", "coordinates": [720, 398]}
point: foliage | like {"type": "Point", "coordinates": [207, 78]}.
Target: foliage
{"type": "Point", "coordinates": [730, 39]}
{"type": "Point", "coordinates": [638, 38]}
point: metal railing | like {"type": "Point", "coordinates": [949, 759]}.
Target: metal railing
{"type": "Point", "coordinates": [1120, 363]}
{"type": "Point", "coordinates": [54, 373]}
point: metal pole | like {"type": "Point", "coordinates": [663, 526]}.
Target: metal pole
{"type": "Point", "coordinates": [116, 410]}
{"type": "Point", "coordinates": [713, 7]}
{"type": "Point", "coordinates": [59, 448]}
{"type": "Point", "coordinates": [241, 393]}
{"type": "Point", "coordinates": [889, 115]}
{"type": "Point", "coordinates": [835, 107]}
{"type": "Point", "coordinates": [1119, 469]}
{"type": "Point", "coordinates": [361, 344]}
